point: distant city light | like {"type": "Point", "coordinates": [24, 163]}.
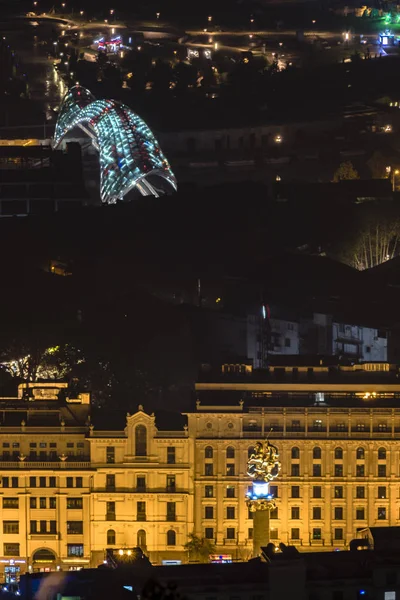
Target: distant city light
{"type": "Point", "coordinates": [278, 139]}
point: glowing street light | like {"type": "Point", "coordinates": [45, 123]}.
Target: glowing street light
{"type": "Point", "coordinates": [63, 4]}
{"type": "Point", "coordinates": [35, 3]}
{"type": "Point", "coordinates": [113, 30]}
{"type": "Point", "coordinates": [216, 46]}
{"type": "Point", "coordinates": [111, 11]}
{"type": "Point", "coordinates": [157, 15]}
{"type": "Point", "coordinates": [81, 13]}
{"type": "Point", "coordinates": [209, 19]}
{"type": "Point", "coordinates": [278, 139]}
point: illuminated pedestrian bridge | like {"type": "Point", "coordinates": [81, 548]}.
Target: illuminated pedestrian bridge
{"type": "Point", "coordinates": [130, 156]}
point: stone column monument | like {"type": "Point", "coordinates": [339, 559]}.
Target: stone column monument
{"type": "Point", "coordinates": [263, 467]}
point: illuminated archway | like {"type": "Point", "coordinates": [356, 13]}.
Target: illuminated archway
{"type": "Point", "coordinates": [130, 156]}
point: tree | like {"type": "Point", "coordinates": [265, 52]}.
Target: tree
{"type": "Point", "coordinates": [377, 243]}
{"type": "Point", "coordinates": [345, 172]}
{"type": "Point", "coordinates": [199, 548]}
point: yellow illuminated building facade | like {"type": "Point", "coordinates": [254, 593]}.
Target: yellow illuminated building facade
{"type": "Point", "coordinates": [70, 490]}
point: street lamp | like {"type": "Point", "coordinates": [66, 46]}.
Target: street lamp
{"type": "Point", "coordinates": [395, 172]}
{"type": "Point", "coordinates": [63, 4]}
{"type": "Point", "coordinates": [81, 13]}
{"type": "Point", "coordinates": [111, 11]}
{"type": "Point", "coordinates": [157, 15]}
{"type": "Point", "coordinates": [209, 19]}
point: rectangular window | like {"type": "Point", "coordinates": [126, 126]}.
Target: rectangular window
{"type": "Point", "coordinates": [338, 513]}
{"type": "Point", "coordinates": [43, 526]}
{"type": "Point", "coordinates": [316, 533]}
{"type": "Point", "coordinates": [110, 483]}
{"type": "Point", "coordinates": [141, 483]}
{"type": "Point", "coordinates": [10, 502]}
{"type": "Point", "coordinates": [32, 455]}
{"type": "Point", "coordinates": [295, 491]}
{"type": "Point", "coordinates": [209, 533]}
{"type": "Point", "coordinates": [209, 491]}
{"type": "Point", "coordinates": [70, 482]}
{"type": "Point", "coordinates": [74, 503]}
{"type": "Point", "coordinates": [32, 502]}
{"type": "Point", "coordinates": [338, 470]}
{"type": "Point", "coordinates": [295, 533]}
{"type": "Point", "coordinates": [209, 512]}
{"type": "Point", "coordinates": [230, 512]}
{"type": "Point", "coordinates": [171, 458]}
{"type": "Point", "coordinates": [44, 445]}
{"type": "Point", "coordinates": [316, 470]}
{"type": "Point", "coordinates": [360, 471]}
{"type": "Point", "coordinates": [171, 511]}
{"type": "Point", "coordinates": [52, 482]}
{"type": "Point", "coordinates": [32, 482]}
{"type": "Point", "coordinates": [42, 502]}
{"type": "Point", "coordinates": [360, 514]}
{"type": "Point", "coordinates": [295, 512]}
{"type": "Point", "coordinates": [208, 469]}
{"type": "Point", "coordinates": [274, 534]}
{"type": "Point", "coordinates": [32, 445]}
{"type": "Point", "coordinates": [110, 455]}
{"type": "Point", "coordinates": [75, 527]}
{"type": "Point", "coordinates": [273, 513]}
{"type": "Point", "coordinates": [33, 527]}
{"type": "Point", "coordinates": [295, 470]}
{"type": "Point", "coordinates": [381, 470]}
{"type": "Point", "coordinates": [230, 533]}
{"type": "Point", "coordinates": [381, 513]}
{"type": "Point", "coordinates": [79, 482]}
{"type": "Point", "coordinates": [273, 490]}
{"type": "Point", "coordinates": [250, 532]}
{"type": "Point", "coordinates": [53, 503]}
{"type": "Point", "coordinates": [14, 482]}
{"type": "Point", "coordinates": [74, 550]}
{"type": "Point", "coordinates": [53, 445]}
{"type": "Point", "coordinates": [250, 515]}
{"type": "Point", "coordinates": [382, 491]}
{"type": "Point", "coordinates": [11, 549]}
{"type": "Point", "coordinates": [6, 482]}
{"type": "Point", "coordinates": [316, 513]}
{"type": "Point", "coordinates": [360, 491]}
{"type": "Point", "coordinates": [230, 491]}
{"type": "Point", "coordinates": [110, 511]}
{"type": "Point", "coordinates": [53, 526]}
{"type": "Point", "coordinates": [230, 470]}
{"type": "Point", "coordinates": [338, 491]}
{"type": "Point", "coordinates": [42, 481]}
{"type": "Point", "coordinates": [70, 444]}
{"type": "Point", "coordinates": [171, 483]}
{"type": "Point", "coordinates": [11, 527]}
{"type": "Point", "coordinates": [338, 533]}
{"type": "Point", "coordinates": [141, 511]}
{"type": "Point", "coordinates": [317, 491]}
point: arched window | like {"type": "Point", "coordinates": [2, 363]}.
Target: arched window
{"type": "Point", "coordinates": [295, 452]}
{"type": "Point", "coordinates": [230, 452]}
{"type": "Point", "coordinates": [360, 454]}
{"type": "Point", "coordinates": [316, 453]}
{"type": "Point", "coordinates": [382, 453]}
{"type": "Point", "coordinates": [250, 451]}
{"type": "Point", "coordinates": [111, 537]}
{"type": "Point", "coordinates": [171, 538]}
{"type": "Point", "coordinates": [141, 539]}
{"type": "Point", "coordinates": [339, 453]}
{"type": "Point", "coordinates": [208, 452]}
{"type": "Point", "coordinates": [140, 440]}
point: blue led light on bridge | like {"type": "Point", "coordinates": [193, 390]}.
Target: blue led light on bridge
{"type": "Point", "coordinates": [130, 156]}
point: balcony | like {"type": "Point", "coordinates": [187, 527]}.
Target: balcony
{"type": "Point", "coordinates": [38, 464]}
{"type": "Point", "coordinates": [295, 430]}
{"type": "Point", "coordinates": [170, 517]}
{"type": "Point", "coordinates": [110, 516]}
{"type": "Point", "coordinates": [141, 517]}
{"type": "Point", "coordinates": [230, 542]}
{"type": "Point", "coordinates": [43, 536]}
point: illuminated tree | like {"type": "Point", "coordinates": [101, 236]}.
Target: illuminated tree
{"type": "Point", "coordinates": [199, 548]}
{"type": "Point", "coordinates": [376, 243]}
{"type": "Point", "coordinates": [346, 171]}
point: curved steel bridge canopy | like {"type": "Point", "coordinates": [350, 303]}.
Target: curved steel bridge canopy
{"type": "Point", "coordinates": [129, 152]}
